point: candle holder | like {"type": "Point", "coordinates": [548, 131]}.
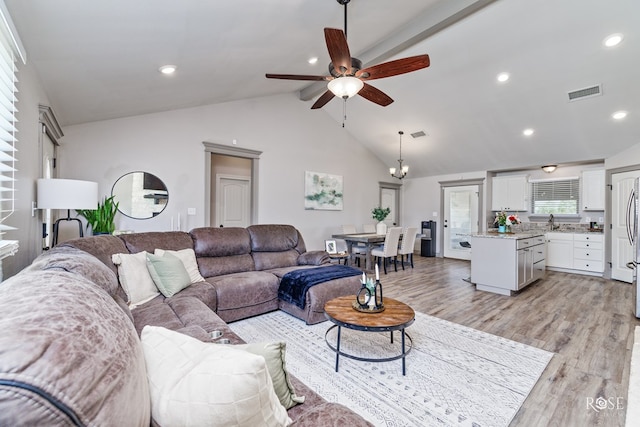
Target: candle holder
{"type": "Point", "coordinates": [369, 298]}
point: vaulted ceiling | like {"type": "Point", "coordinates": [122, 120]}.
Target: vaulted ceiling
{"type": "Point", "coordinates": [100, 60]}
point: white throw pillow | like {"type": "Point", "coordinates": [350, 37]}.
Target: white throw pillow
{"type": "Point", "coordinates": [188, 258]}
{"type": "Point", "coordinates": [135, 278]}
{"type": "Point", "coordinates": [193, 383]}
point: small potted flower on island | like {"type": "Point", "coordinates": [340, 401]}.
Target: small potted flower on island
{"type": "Point", "coordinates": [379, 214]}
{"type": "Point", "coordinates": [504, 221]}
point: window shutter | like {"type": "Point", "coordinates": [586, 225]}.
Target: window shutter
{"type": "Point", "coordinates": [8, 132]}
{"type": "Point", "coordinates": [555, 197]}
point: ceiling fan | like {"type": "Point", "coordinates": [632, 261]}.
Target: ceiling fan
{"type": "Point", "coordinates": [347, 77]}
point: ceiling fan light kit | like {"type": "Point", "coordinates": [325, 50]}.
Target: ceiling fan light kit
{"type": "Point", "coordinates": [345, 87]}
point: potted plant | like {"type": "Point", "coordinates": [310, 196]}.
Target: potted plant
{"type": "Point", "coordinates": [101, 219]}
{"type": "Point", "coordinates": [503, 220]}
{"type": "Point", "coordinates": [379, 214]}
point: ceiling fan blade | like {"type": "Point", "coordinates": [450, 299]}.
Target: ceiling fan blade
{"type": "Point", "coordinates": [338, 50]}
{"type": "Point", "coordinates": [295, 77]}
{"type": "Point", "coordinates": [375, 95]}
{"type": "Point", "coordinates": [324, 98]}
{"type": "Point", "coordinates": [393, 68]}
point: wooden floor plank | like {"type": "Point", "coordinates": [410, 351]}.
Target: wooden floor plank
{"type": "Point", "coordinates": [586, 321]}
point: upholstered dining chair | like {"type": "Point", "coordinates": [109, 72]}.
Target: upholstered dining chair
{"type": "Point", "coordinates": [389, 249]}
{"type": "Point", "coordinates": [356, 250]}
{"type": "Point", "coordinates": [348, 229]}
{"type": "Point", "coordinates": [407, 245]}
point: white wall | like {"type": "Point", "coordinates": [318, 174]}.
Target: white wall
{"type": "Point", "coordinates": [28, 233]}
{"type": "Point", "coordinates": [629, 157]}
{"type": "Point", "coordinates": [292, 137]}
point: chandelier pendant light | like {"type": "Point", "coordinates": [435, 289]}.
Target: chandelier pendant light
{"type": "Point", "coordinates": [402, 170]}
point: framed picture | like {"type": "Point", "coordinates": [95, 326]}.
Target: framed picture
{"type": "Point", "coordinates": [322, 191]}
{"type": "Point", "coordinates": [330, 246]}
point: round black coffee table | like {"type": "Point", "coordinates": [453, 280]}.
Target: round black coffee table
{"type": "Point", "coordinates": [397, 316]}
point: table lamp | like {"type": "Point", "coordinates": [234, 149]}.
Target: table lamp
{"type": "Point", "coordinates": [66, 194]}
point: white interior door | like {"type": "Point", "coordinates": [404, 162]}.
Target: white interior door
{"type": "Point", "coordinates": [460, 219]}
{"type": "Point", "coordinates": [48, 159]}
{"type": "Point", "coordinates": [388, 199]}
{"type": "Point", "coordinates": [621, 249]}
{"type": "Point", "coordinates": [233, 201]}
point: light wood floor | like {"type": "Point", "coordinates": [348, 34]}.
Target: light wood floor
{"type": "Point", "coordinates": [586, 321]}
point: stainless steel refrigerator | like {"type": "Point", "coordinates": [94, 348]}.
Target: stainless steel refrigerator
{"type": "Point", "coordinates": [633, 212]}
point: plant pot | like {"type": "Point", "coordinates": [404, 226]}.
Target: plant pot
{"type": "Point", "coordinates": [381, 228]}
{"type": "Point", "coordinates": [502, 229]}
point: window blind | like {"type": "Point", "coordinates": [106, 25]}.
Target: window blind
{"type": "Point", "coordinates": [555, 197]}
{"type": "Point", "coordinates": [8, 133]}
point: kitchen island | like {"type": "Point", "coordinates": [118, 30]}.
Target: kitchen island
{"type": "Point", "coordinates": [506, 262]}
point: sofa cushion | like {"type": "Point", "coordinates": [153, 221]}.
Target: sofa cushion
{"type": "Point", "coordinates": [64, 336]}
{"type": "Point", "coordinates": [221, 251]}
{"type": "Point", "coordinates": [101, 247]}
{"type": "Point", "coordinates": [152, 240]}
{"type": "Point", "coordinates": [274, 246]}
{"type": "Point", "coordinates": [168, 273]}
{"type": "Point", "coordinates": [193, 383]}
{"type": "Point", "coordinates": [135, 278]}
{"type": "Point", "coordinates": [188, 258]}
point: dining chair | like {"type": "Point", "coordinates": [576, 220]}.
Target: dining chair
{"type": "Point", "coordinates": [407, 245]}
{"type": "Point", "coordinates": [356, 250]}
{"type": "Point", "coordinates": [348, 229]}
{"type": "Point", "coordinates": [369, 228]}
{"type": "Point", "coordinates": [389, 249]}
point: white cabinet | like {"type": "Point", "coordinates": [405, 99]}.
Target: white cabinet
{"type": "Point", "coordinates": [560, 250]}
{"type": "Point", "coordinates": [505, 264]}
{"type": "Point", "coordinates": [579, 252]}
{"type": "Point", "coordinates": [588, 252]}
{"type": "Point", "coordinates": [509, 193]}
{"type": "Point", "coordinates": [593, 190]}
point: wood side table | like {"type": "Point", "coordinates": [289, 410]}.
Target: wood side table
{"type": "Point", "coordinates": [397, 316]}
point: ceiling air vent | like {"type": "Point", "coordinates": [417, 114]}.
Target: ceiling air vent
{"type": "Point", "coordinates": [418, 134]}
{"type": "Point", "coordinates": [587, 92]}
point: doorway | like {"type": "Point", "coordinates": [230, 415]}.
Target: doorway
{"type": "Point", "coordinates": [390, 198]}
{"type": "Point", "coordinates": [621, 249]}
{"type": "Point", "coordinates": [231, 185]}
{"type": "Point", "coordinates": [460, 219]}
{"type": "Point", "coordinates": [49, 135]}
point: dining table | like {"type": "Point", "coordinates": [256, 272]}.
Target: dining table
{"type": "Point", "coordinates": [370, 240]}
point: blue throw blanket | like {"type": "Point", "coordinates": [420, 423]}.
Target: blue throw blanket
{"type": "Point", "coordinates": [295, 284]}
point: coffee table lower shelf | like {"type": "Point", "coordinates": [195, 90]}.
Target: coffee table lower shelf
{"type": "Point", "coordinates": [404, 349]}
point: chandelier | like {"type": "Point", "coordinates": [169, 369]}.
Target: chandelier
{"type": "Point", "coordinates": [401, 171]}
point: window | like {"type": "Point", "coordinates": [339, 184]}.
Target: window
{"type": "Point", "coordinates": [555, 196]}
{"type": "Point", "coordinates": [7, 133]}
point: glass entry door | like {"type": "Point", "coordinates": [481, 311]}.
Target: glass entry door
{"type": "Point", "coordinates": [460, 219]}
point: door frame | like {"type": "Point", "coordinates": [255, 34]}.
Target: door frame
{"type": "Point", "coordinates": [226, 150]}
{"type": "Point", "coordinates": [50, 127]}
{"type": "Point", "coordinates": [481, 202]}
{"type": "Point", "coordinates": [608, 215]}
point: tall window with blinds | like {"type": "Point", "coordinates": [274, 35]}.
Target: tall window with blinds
{"type": "Point", "coordinates": [8, 132]}
{"type": "Point", "coordinates": [555, 196]}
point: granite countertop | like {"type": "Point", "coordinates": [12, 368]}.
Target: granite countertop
{"type": "Point", "coordinates": [515, 236]}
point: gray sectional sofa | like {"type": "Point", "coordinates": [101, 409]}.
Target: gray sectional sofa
{"type": "Point", "coordinates": [70, 349]}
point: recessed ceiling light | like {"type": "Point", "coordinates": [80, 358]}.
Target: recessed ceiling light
{"type": "Point", "coordinates": [613, 40]}
{"type": "Point", "coordinates": [168, 69]}
{"type": "Point", "coordinates": [527, 132]}
{"type": "Point", "coordinates": [503, 77]}
{"type": "Point", "coordinates": [313, 60]}
{"type": "Point", "coordinates": [619, 115]}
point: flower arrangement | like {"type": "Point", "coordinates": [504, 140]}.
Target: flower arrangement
{"type": "Point", "coordinates": [503, 219]}
{"type": "Point", "coordinates": [379, 214]}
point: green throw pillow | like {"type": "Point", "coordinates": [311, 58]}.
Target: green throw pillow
{"type": "Point", "coordinates": [274, 355]}
{"type": "Point", "coordinates": [168, 273]}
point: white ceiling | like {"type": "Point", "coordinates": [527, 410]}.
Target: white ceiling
{"type": "Point", "coordinates": [98, 60]}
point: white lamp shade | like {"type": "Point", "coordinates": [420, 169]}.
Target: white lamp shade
{"type": "Point", "coordinates": [345, 87]}
{"type": "Point", "coordinates": [67, 194]}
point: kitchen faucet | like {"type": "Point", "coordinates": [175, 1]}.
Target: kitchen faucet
{"type": "Point", "coordinates": [552, 223]}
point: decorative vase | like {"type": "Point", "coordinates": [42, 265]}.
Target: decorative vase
{"type": "Point", "coordinates": [502, 228]}
{"type": "Point", "coordinates": [381, 228]}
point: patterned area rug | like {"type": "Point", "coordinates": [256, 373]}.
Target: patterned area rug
{"type": "Point", "coordinates": [456, 376]}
